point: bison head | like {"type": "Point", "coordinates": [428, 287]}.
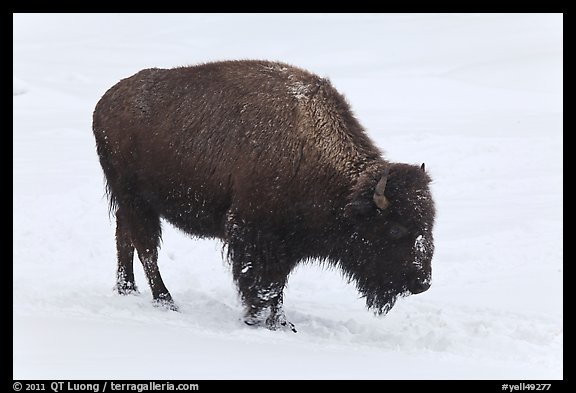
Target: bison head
{"type": "Point", "coordinates": [389, 246]}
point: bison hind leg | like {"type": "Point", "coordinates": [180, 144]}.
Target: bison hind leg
{"type": "Point", "coordinates": [139, 228]}
{"type": "Point", "coordinates": [165, 302]}
{"type": "Point", "coordinates": [124, 287]}
{"type": "Point", "coordinates": [125, 284]}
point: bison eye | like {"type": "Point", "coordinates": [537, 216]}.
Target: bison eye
{"type": "Point", "coordinates": [397, 231]}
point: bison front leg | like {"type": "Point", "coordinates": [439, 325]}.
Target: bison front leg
{"type": "Point", "coordinates": [262, 293]}
{"type": "Point", "coordinates": [261, 273]}
{"type": "Point", "coordinates": [277, 319]}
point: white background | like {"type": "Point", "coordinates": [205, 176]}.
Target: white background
{"type": "Point", "coordinates": [478, 98]}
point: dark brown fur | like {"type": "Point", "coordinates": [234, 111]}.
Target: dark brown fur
{"type": "Point", "coordinates": [270, 159]}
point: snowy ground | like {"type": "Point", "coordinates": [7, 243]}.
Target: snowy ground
{"type": "Point", "coordinates": [478, 98]}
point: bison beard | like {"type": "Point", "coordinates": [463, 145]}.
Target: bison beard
{"type": "Point", "coordinates": [380, 295]}
{"type": "Point", "coordinates": [270, 159]}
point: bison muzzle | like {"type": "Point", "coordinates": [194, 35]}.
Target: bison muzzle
{"type": "Point", "coordinates": [270, 159]}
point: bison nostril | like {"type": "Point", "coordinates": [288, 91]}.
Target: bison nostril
{"type": "Point", "coordinates": [418, 285]}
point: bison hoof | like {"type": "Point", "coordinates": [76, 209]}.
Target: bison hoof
{"type": "Point", "coordinates": [280, 324]}
{"type": "Point", "coordinates": [252, 322]}
{"type": "Point", "coordinates": [273, 321]}
{"type": "Point", "coordinates": [126, 289]}
{"type": "Point", "coordinates": [284, 325]}
{"type": "Point", "coordinates": [166, 304]}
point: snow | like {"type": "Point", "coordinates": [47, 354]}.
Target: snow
{"type": "Point", "coordinates": [477, 97]}
{"type": "Point", "coordinates": [19, 86]}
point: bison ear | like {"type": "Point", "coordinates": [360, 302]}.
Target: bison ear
{"type": "Point", "coordinates": [359, 209]}
{"type": "Point", "coordinates": [423, 167]}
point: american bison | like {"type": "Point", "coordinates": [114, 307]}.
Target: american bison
{"type": "Point", "coordinates": [270, 159]}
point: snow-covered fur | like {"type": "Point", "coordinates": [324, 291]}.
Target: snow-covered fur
{"type": "Point", "coordinates": [270, 159]}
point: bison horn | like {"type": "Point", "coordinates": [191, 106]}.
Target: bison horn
{"type": "Point", "coordinates": [379, 198]}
